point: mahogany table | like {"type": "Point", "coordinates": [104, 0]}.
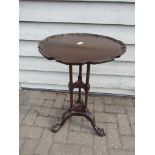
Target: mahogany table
{"type": "Point", "coordinates": [79, 49]}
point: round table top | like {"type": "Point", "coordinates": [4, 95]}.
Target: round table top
{"type": "Point", "coordinates": [81, 48]}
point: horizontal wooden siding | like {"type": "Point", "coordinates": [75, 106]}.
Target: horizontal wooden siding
{"type": "Point", "coordinates": [39, 19]}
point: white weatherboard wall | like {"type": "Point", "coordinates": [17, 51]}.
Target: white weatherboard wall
{"type": "Point", "coordinates": [39, 19]}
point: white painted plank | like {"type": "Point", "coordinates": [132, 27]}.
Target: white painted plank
{"type": "Point", "coordinates": [125, 1]}
{"type": "Point", "coordinates": [77, 12]}
{"type": "Point", "coordinates": [129, 55]}
{"type": "Point", "coordinates": [112, 82]}
{"type": "Point", "coordinates": [109, 68]}
{"type": "Point", "coordinates": [65, 87]}
{"type": "Point", "coordinates": [49, 77]}
{"type": "Point", "coordinates": [30, 48]}
{"type": "Point", "coordinates": [38, 31]}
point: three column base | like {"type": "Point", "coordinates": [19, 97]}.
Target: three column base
{"type": "Point", "coordinates": [79, 108]}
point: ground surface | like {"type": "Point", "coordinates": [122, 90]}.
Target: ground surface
{"type": "Point", "coordinates": [39, 110]}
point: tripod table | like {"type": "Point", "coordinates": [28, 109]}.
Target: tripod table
{"type": "Point", "coordinates": [79, 49]}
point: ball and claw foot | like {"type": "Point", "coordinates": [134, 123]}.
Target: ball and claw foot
{"type": "Point", "coordinates": [55, 128]}
{"type": "Point", "coordinates": [99, 131]}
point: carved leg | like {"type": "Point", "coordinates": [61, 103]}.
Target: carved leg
{"type": "Point", "coordinates": [59, 124]}
{"type": "Point", "coordinates": [91, 118]}
{"type": "Point", "coordinates": [76, 111]}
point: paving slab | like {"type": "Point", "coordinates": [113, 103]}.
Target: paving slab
{"type": "Point", "coordinates": [39, 110]}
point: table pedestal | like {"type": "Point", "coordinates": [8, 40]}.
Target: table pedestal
{"type": "Point", "coordinates": [80, 107]}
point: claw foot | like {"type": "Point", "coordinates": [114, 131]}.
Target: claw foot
{"type": "Point", "coordinates": [55, 128]}
{"type": "Point", "coordinates": [100, 131]}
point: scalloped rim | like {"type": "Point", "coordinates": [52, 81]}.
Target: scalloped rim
{"type": "Point", "coordinates": [123, 47]}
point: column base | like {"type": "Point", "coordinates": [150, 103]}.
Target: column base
{"type": "Point", "coordinates": [78, 110]}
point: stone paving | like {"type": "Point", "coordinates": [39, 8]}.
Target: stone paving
{"type": "Point", "coordinates": [39, 110]}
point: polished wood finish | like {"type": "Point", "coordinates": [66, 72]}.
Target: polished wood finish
{"type": "Point", "coordinates": [80, 107]}
{"type": "Point", "coordinates": [81, 48]}
{"type": "Point", "coordinates": [78, 49]}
